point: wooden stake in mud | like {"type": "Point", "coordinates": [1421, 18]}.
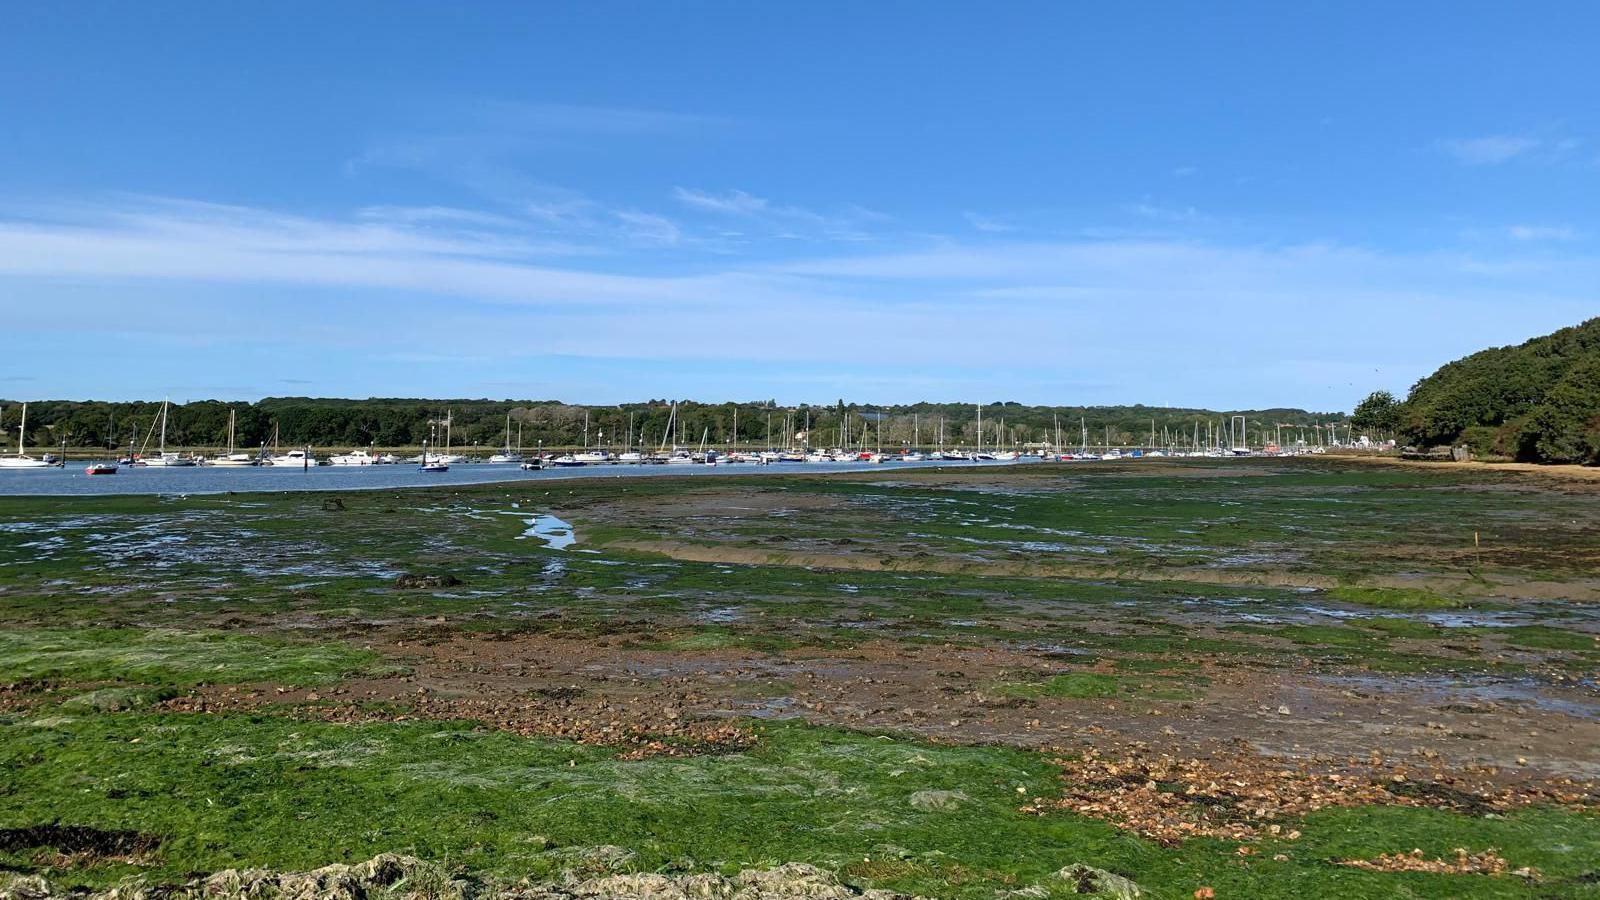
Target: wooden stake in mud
{"type": "Point", "coordinates": [1477, 551]}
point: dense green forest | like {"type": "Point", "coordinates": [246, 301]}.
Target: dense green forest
{"type": "Point", "coordinates": [405, 423]}
{"type": "Point", "coordinates": [1538, 401]}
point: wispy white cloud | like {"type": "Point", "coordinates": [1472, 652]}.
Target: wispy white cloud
{"type": "Point", "coordinates": [424, 215]}
{"type": "Point", "coordinates": [650, 227]}
{"type": "Point", "coordinates": [1489, 150]}
{"type": "Point", "coordinates": [733, 203]}
{"type": "Point", "coordinates": [784, 221]}
{"type": "Point", "coordinates": [990, 224]}
{"type": "Point", "coordinates": [489, 114]}
{"type": "Point", "coordinates": [1069, 307]}
{"type": "Point", "coordinates": [488, 146]}
{"type": "Point", "coordinates": [1169, 214]}
{"type": "Point", "coordinates": [1541, 233]}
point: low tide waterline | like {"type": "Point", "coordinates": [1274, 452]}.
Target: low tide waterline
{"type": "Point", "coordinates": [71, 481]}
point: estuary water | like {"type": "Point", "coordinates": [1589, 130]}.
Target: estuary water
{"type": "Point", "coordinates": [71, 481]}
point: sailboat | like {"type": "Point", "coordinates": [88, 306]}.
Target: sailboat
{"type": "Point", "coordinates": [630, 455]}
{"type": "Point", "coordinates": [1000, 455]}
{"type": "Point", "coordinates": [508, 455]}
{"type": "Point", "coordinates": [22, 460]}
{"type": "Point", "coordinates": [435, 462]}
{"type": "Point", "coordinates": [432, 463]}
{"type": "Point", "coordinates": [232, 458]}
{"type": "Point", "coordinates": [980, 453]}
{"type": "Point", "coordinates": [678, 456]}
{"type": "Point", "coordinates": [163, 458]}
{"type": "Point", "coordinates": [914, 452]}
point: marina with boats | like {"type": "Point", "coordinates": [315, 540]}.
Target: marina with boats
{"type": "Point", "coordinates": [789, 439]}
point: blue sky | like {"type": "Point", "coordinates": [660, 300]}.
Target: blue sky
{"type": "Point", "coordinates": [1223, 205]}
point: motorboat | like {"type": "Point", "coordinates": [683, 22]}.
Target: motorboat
{"type": "Point", "coordinates": [592, 457]}
{"type": "Point", "coordinates": [354, 458]}
{"type": "Point", "coordinates": [100, 468]}
{"type": "Point", "coordinates": [631, 457]}
{"type": "Point", "coordinates": [301, 459]}
{"type": "Point", "coordinates": [912, 456]}
{"type": "Point", "coordinates": [501, 459]}
{"type": "Point", "coordinates": [567, 460]}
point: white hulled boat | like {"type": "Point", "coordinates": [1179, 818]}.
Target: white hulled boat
{"type": "Point", "coordinates": [22, 460]}
{"type": "Point", "coordinates": [233, 459]}
{"type": "Point", "coordinates": [164, 459]}
{"type": "Point", "coordinates": [509, 456]}
{"type": "Point", "coordinates": [356, 457]}
{"type": "Point", "coordinates": [298, 459]}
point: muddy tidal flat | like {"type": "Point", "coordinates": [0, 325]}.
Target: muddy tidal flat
{"type": "Point", "coordinates": [1187, 678]}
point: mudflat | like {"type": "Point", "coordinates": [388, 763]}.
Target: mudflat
{"type": "Point", "coordinates": [1299, 677]}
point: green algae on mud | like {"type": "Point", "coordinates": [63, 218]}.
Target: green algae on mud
{"type": "Point", "coordinates": [109, 606]}
{"type": "Point", "coordinates": [171, 657]}
{"type": "Point", "coordinates": [226, 790]}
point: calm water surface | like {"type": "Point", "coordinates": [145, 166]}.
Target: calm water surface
{"type": "Point", "coordinates": [71, 481]}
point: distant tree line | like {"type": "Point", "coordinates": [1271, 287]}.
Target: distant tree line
{"type": "Point", "coordinates": [388, 422]}
{"type": "Point", "coordinates": [1538, 401]}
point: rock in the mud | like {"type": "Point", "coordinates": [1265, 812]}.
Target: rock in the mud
{"type": "Point", "coordinates": [1094, 882]}
{"type": "Point", "coordinates": [589, 860]}
{"type": "Point", "coordinates": [25, 887]}
{"type": "Point", "coordinates": [798, 880]}
{"type": "Point", "coordinates": [336, 882]}
{"type": "Point", "coordinates": [935, 801]}
{"type": "Point", "coordinates": [403, 878]}
{"type": "Point", "coordinates": [410, 582]}
{"type": "Point", "coordinates": [118, 699]}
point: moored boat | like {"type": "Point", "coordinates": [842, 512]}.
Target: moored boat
{"type": "Point", "coordinates": [22, 460]}
{"type": "Point", "coordinates": [167, 460]}
{"type": "Point", "coordinates": [354, 458]}
{"type": "Point", "coordinates": [509, 456]}
{"type": "Point", "coordinates": [295, 459]}
{"type": "Point", "coordinates": [232, 459]}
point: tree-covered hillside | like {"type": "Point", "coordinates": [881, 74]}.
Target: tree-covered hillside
{"type": "Point", "coordinates": [406, 422]}
{"type": "Point", "coordinates": [1537, 401]}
